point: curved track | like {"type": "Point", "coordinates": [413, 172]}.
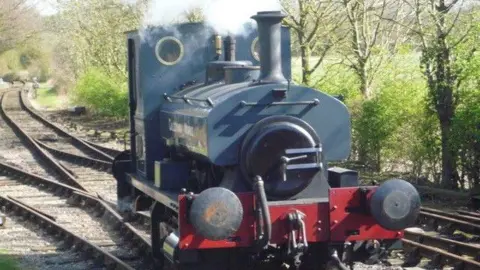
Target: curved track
{"type": "Point", "coordinates": [119, 245]}
{"type": "Point", "coordinates": [47, 140]}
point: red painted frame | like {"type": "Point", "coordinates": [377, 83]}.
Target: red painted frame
{"type": "Point", "coordinates": [324, 221]}
{"type": "Point", "coordinates": [341, 221]}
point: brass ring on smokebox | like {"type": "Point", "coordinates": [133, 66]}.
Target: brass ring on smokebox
{"type": "Point", "coordinates": [253, 51]}
{"type": "Point", "coordinates": [180, 47]}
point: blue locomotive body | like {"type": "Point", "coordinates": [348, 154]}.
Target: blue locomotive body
{"type": "Point", "coordinates": [215, 131]}
{"type": "Point", "coordinates": [231, 157]}
{"type": "Point", "coordinates": [151, 77]}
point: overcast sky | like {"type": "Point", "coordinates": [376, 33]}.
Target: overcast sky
{"type": "Point", "coordinates": [44, 7]}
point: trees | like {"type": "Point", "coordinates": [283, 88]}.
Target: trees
{"type": "Point", "coordinates": [315, 24]}
{"type": "Point", "coordinates": [18, 23]}
{"type": "Point", "coordinates": [88, 37]}
{"type": "Point", "coordinates": [194, 15]}
{"type": "Point", "coordinates": [365, 34]}
{"type": "Point", "coordinates": [92, 35]}
{"type": "Point", "coordinates": [370, 32]}
{"type": "Point", "coordinates": [441, 27]}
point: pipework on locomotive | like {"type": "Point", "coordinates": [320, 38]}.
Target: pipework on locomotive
{"type": "Point", "coordinates": [231, 157]}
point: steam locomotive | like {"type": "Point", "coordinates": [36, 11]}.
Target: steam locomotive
{"type": "Point", "coordinates": [231, 158]}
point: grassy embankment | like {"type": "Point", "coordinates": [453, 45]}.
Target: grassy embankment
{"type": "Point", "coordinates": [47, 97]}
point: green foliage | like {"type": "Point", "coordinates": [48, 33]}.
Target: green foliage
{"type": "Point", "coordinates": [372, 127]}
{"type": "Point", "coordinates": [47, 97]}
{"type": "Point", "coordinates": [466, 139]}
{"type": "Point", "coordinates": [7, 262]}
{"type": "Point", "coordinates": [105, 95]}
{"type": "Point", "coordinates": [92, 34]}
{"type": "Point", "coordinates": [384, 126]}
{"type": "Point", "coordinates": [89, 44]}
{"type": "Point", "coordinates": [25, 62]}
{"type": "Point", "coordinates": [425, 147]}
{"type": "Point", "coordinates": [11, 61]}
{"type": "Point", "coordinates": [338, 80]}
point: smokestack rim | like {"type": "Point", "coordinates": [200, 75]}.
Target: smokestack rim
{"type": "Point", "coordinates": [269, 14]}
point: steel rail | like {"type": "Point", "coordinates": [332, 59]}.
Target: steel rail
{"type": "Point", "coordinates": [55, 229]}
{"type": "Point", "coordinates": [469, 213]}
{"type": "Point", "coordinates": [33, 179]}
{"type": "Point", "coordinates": [106, 152]}
{"type": "Point", "coordinates": [85, 195]}
{"type": "Point", "coordinates": [449, 245]}
{"type": "Point", "coordinates": [81, 199]}
{"type": "Point", "coordinates": [75, 140]}
{"type": "Point", "coordinates": [32, 208]}
{"type": "Point", "coordinates": [81, 160]}
{"type": "Point", "coordinates": [110, 151]}
{"type": "Point", "coordinates": [438, 257]}
{"type": "Point", "coordinates": [467, 217]}
{"type": "Point", "coordinates": [64, 174]}
{"type": "Point", "coordinates": [451, 224]}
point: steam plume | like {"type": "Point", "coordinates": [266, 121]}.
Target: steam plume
{"type": "Point", "coordinates": [225, 16]}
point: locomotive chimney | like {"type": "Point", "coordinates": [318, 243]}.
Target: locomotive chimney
{"type": "Point", "coordinates": [269, 35]}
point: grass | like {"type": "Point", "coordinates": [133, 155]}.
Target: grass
{"type": "Point", "coordinates": [7, 262]}
{"type": "Point", "coordinates": [47, 97]}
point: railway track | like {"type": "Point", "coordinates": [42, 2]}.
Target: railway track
{"type": "Point", "coordinates": [74, 217]}
{"type": "Point", "coordinates": [49, 141]}
{"type": "Point", "coordinates": [445, 240]}
{"type": "Point", "coordinates": [110, 151]}
{"type": "Point", "coordinates": [80, 145]}
{"type": "Point", "coordinates": [84, 221]}
{"type": "Point", "coordinates": [107, 152]}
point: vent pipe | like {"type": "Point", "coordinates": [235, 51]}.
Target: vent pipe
{"type": "Point", "coordinates": [230, 48]}
{"type": "Point", "coordinates": [269, 36]}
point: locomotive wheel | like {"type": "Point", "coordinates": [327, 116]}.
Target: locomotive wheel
{"type": "Point", "coordinates": [158, 232]}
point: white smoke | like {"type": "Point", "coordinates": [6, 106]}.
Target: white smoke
{"type": "Point", "coordinates": [225, 16]}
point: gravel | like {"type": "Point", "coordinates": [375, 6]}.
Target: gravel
{"type": "Point", "coordinates": [28, 242]}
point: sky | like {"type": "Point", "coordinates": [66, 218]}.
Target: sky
{"type": "Point", "coordinates": [47, 7]}
{"type": "Point", "coordinates": [44, 7]}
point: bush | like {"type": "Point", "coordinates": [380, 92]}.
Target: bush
{"type": "Point", "coordinates": [11, 77]}
{"type": "Point", "coordinates": [383, 127]}
{"type": "Point", "coordinates": [372, 128]}
{"type": "Point", "coordinates": [103, 94]}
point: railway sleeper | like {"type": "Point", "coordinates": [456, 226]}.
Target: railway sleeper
{"type": "Point", "coordinates": [57, 230]}
{"type": "Point", "coordinates": [78, 198]}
